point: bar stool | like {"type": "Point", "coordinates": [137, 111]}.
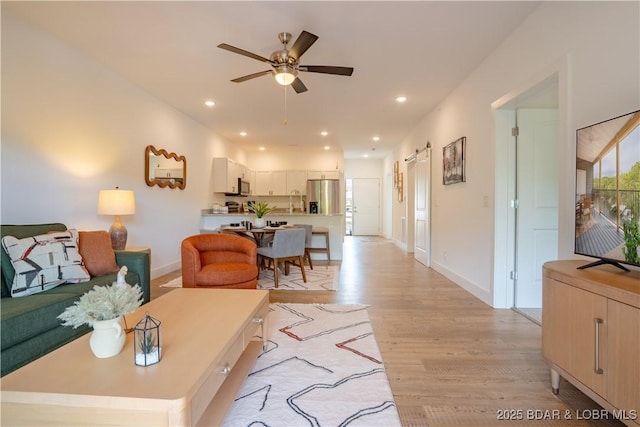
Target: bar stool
{"type": "Point", "coordinates": [323, 231]}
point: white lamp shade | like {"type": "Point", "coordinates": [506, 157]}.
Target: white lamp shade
{"type": "Point", "coordinates": [285, 75]}
{"type": "Point", "coordinates": [116, 202]}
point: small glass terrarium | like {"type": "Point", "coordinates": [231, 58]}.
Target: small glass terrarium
{"type": "Point", "coordinates": [147, 341]}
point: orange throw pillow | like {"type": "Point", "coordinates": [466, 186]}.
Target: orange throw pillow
{"type": "Point", "coordinates": [96, 252]}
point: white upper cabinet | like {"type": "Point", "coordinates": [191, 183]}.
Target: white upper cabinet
{"type": "Point", "coordinates": [244, 173]}
{"type": "Point", "coordinates": [252, 181]}
{"type": "Point", "coordinates": [332, 174]}
{"type": "Point", "coordinates": [297, 180]}
{"type": "Point", "coordinates": [271, 183]}
{"type": "Point", "coordinates": [225, 175]}
{"type": "Point", "coordinates": [160, 173]}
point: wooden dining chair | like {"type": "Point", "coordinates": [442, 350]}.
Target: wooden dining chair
{"type": "Point", "coordinates": [287, 248]}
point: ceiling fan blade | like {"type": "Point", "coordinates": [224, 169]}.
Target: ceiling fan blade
{"type": "Point", "coordinates": [302, 43]}
{"type": "Point", "coordinates": [243, 52]}
{"type": "Point", "coordinates": [327, 69]}
{"type": "Point", "coordinates": [298, 86]}
{"type": "Point", "coordinates": [251, 76]}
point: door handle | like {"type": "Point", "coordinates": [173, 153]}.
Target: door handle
{"type": "Point", "coordinates": [598, 369]}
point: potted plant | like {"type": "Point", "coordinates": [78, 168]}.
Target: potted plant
{"type": "Point", "coordinates": [147, 341]}
{"type": "Point", "coordinates": [260, 209]}
{"type": "Point", "coordinates": [102, 309]}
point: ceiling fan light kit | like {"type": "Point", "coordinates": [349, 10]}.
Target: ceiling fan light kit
{"type": "Point", "coordinates": [284, 75]}
{"type": "Point", "coordinates": [284, 62]}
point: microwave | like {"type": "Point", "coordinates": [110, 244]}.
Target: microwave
{"type": "Point", "coordinates": [244, 188]}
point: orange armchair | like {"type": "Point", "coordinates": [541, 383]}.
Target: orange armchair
{"type": "Point", "coordinates": [219, 261]}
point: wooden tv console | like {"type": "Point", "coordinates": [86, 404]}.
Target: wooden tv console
{"type": "Point", "coordinates": [591, 334]}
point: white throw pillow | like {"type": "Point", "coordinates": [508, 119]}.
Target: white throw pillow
{"type": "Point", "coordinates": [44, 262]}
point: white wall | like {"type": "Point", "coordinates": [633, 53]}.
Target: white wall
{"type": "Point", "coordinates": [363, 168]}
{"type": "Point", "coordinates": [594, 46]}
{"type": "Point", "coordinates": [296, 159]}
{"type": "Point", "coordinates": [71, 127]}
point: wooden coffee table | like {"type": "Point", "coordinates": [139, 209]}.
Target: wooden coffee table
{"type": "Point", "coordinates": [208, 348]}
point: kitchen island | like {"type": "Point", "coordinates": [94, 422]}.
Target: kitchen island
{"type": "Point", "coordinates": [210, 223]}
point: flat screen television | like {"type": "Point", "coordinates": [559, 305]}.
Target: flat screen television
{"type": "Point", "coordinates": [607, 196]}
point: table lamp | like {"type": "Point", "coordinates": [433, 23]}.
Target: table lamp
{"type": "Point", "coordinates": [117, 202]}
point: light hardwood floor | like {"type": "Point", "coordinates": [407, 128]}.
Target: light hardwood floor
{"type": "Point", "coordinates": [451, 359]}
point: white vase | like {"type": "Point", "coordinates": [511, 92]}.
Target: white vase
{"type": "Point", "coordinates": [107, 338]}
{"type": "Point", "coordinates": [259, 222]}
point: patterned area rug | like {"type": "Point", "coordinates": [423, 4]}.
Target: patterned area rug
{"type": "Point", "coordinates": [322, 368]}
{"type": "Point", "coordinates": [321, 278]}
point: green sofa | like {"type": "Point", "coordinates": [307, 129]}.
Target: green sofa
{"type": "Point", "coordinates": [29, 326]}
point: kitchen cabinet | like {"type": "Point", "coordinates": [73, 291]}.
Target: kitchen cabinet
{"type": "Point", "coordinates": [244, 172]}
{"type": "Point", "coordinates": [591, 334]}
{"type": "Point", "coordinates": [332, 174]}
{"type": "Point", "coordinates": [252, 181]}
{"type": "Point", "coordinates": [297, 180]}
{"type": "Point", "coordinates": [225, 175]}
{"type": "Point", "coordinates": [162, 173]}
{"type": "Point", "coordinates": [271, 183]}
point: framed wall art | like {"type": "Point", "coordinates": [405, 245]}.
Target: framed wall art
{"type": "Point", "coordinates": [396, 171]}
{"type": "Point", "coordinates": [400, 187]}
{"type": "Point", "coordinates": [453, 159]}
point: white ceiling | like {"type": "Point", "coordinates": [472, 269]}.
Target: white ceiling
{"type": "Point", "coordinates": [422, 50]}
{"type": "Point", "coordinates": [592, 140]}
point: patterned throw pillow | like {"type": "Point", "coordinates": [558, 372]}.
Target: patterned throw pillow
{"type": "Point", "coordinates": [44, 262]}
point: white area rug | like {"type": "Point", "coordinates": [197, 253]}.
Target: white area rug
{"type": "Point", "coordinates": [322, 368]}
{"type": "Point", "coordinates": [175, 283]}
{"type": "Point", "coordinates": [321, 278]}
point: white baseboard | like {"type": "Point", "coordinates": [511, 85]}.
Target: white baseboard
{"type": "Point", "coordinates": [400, 244]}
{"type": "Point", "coordinates": [482, 294]}
{"type": "Point", "coordinates": [165, 269]}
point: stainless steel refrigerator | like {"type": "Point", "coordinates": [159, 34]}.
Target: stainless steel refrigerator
{"type": "Point", "coordinates": [323, 194]}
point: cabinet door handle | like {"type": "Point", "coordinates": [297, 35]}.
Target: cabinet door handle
{"type": "Point", "coordinates": [226, 370]}
{"type": "Point", "coordinates": [598, 369]}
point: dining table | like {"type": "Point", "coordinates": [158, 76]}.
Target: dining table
{"type": "Point", "coordinates": [257, 234]}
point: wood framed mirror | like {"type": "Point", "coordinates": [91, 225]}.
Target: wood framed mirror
{"type": "Point", "coordinates": [164, 169]}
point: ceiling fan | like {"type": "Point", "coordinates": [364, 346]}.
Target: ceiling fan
{"type": "Point", "coordinates": [285, 62]}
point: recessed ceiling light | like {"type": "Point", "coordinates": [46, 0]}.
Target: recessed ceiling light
{"type": "Point", "coordinates": [401, 98]}
{"type": "Point", "coordinates": [326, 147]}
{"type": "Point", "coordinates": [324, 133]}
{"type": "Point", "coordinates": [243, 133]}
{"type": "Point", "coordinates": [261, 148]}
{"type": "Point", "coordinates": [365, 156]}
{"type": "Point", "coordinates": [376, 138]}
{"type": "Point", "coordinates": [209, 103]}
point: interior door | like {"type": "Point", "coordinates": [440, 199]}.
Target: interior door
{"type": "Point", "coordinates": [422, 230]}
{"type": "Point", "coordinates": [537, 195]}
{"type": "Point", "coordinates": [366, 206]}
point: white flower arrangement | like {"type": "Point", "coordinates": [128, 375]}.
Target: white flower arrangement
{"type": "Point", "coordinates": [102, 303]}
